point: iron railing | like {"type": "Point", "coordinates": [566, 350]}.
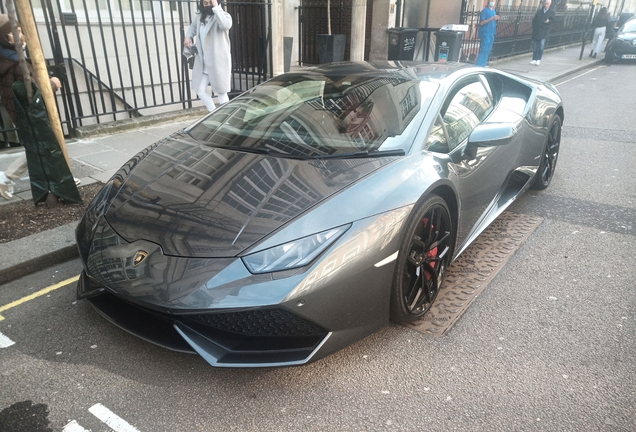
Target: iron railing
{"type": "Point", "coordinates": [514, 30]}
{"type": "Point", "coordinates": [312, 21]}
{"type": "Point", "coordinates": [119, 59]}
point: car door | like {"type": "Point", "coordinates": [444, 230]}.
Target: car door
{"type": "Point", "coordinates": [479, 177]}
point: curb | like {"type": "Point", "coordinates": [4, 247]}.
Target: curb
{"type": "Point", "coordinates": [37, 252]}
{"type": "Point", "coordinates": [39, 263]}
{"type": "Point", "coordinates": [576, 69]}
{"type": "Point", "coordinates": [117, 126]}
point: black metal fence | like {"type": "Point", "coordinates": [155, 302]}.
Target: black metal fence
{"type": "Point", "coordinates": [122, 58]}
{"type": "Point", "coordinates": [312, 21]}
{"type": "Point", "coordinates": [514, 30]}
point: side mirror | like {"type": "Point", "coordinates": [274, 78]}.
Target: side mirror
{"type": "Point", "coordinates": [488, 135]}
{"type": "Point", "coordinates": [492, 134]}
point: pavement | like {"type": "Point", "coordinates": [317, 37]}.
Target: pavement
{"type": "Point", "coordinates": [102, 149]}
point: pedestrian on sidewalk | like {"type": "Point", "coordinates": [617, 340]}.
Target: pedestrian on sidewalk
{"type": "Point", "coordinates": [10, 72]}
{"type": "Point", "coordinates": [541, 24]}
{"type": "Point", "coordinates": [599, 24]}
{"type": "Point", "coordinates": [212, 56]}
{"type": "Point", "coordinates": [487, 31]}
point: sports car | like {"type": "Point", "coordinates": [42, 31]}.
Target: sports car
{"type": "Point", "coordinates": [308, 212]}
{"type": "Point", "coordinates": [622, 46]}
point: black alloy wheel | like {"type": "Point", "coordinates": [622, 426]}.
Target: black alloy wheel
{"type": "Point", "coordinates": [549, 157]}
{"type": "Point", "coordinates": [422, 261]}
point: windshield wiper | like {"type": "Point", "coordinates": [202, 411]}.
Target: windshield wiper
{"type": "Point", "coordinates": [263, 151]}
{"type": "Point", "coordinates": [363, 154]}
{"type": "Point", "coordinates": [257, 150]}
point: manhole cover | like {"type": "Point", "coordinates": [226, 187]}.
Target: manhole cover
{"type": "Point", "coordinates": [474, 268]}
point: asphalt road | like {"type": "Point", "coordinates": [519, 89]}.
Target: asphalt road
{"type": "Point", "coordinates": [548, 345]}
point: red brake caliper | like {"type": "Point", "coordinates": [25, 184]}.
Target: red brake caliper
{"type": "Point", "coordinates": [432, 254]}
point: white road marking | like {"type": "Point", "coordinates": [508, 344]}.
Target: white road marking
{"type": "Point", "coordinates": [5, 341]}
{"type": "Point", "coordinates": [111, 419]}
{"type": "Point", "coordinates": [578, 76]}
{"type": "Point", "coordinates": [74, 427]}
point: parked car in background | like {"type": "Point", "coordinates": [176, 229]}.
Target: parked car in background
{"type": "Point", "coordinates": [623, 18]}
{"type": "Point", "coordinates": [616, 22]}
{"type": "Point", "coordinates": [623, 45]}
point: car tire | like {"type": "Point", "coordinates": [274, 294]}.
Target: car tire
{"type": "Point", "coordinates": [422, 261]}
{"type": "Point", "coordinates": [549, 157]}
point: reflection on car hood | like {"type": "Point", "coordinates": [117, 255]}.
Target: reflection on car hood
{"type": "Point", "coordinates": [200, 201]}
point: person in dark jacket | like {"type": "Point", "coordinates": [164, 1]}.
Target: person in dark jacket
{"type": "Point", "coordinates": [599, 24]}
{"type": "Point", "coordinates": [541, 24]}
{"type": "Point", "coordinates": [10, 72]}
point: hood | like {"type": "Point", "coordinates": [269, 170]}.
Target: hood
{"type": "Point", "coordinates": [200, 201]}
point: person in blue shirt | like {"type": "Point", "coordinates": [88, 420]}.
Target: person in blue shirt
{"type": "Point", "coordinates": [487, 29]}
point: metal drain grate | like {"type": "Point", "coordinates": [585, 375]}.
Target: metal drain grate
{"type": "Point", "coordinates": [474, 269]}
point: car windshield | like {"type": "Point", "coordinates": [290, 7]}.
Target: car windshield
{"type": "Point", "coordinates": [629, 27]}
{"type": "Point", "coordinates": [317, 116]}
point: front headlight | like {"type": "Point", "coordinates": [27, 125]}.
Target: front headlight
{"type": "Point", "coordinates": [297, 253]}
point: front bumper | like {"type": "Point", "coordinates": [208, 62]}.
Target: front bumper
{"type": "Point", "coordinates": [619, 49]}
{"type": "Point", "coordinates": [255, 337]}
{"type": "Point", "coordinates": [233, 318]}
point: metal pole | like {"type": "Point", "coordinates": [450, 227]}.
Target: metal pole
{"type": "Point", "coordinates": [40, 71]}
{"type": "Point", "coordinates": [587, 28]}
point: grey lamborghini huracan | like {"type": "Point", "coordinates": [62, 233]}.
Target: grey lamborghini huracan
{"type": "Point", "coordinates": [306, 213]}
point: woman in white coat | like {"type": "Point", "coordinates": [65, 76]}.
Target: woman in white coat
{"type": "Point", "coordinates": [213, 60]}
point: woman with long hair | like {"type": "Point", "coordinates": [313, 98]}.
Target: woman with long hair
{"type": "Point", "coordinates": [213, 59]}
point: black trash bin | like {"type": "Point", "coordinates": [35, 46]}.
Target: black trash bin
{"type": "Point", "coordinates": [402, 43]}
{"type": "Point", "coordinates": [448, 45]}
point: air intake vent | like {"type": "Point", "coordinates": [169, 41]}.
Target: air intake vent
{"type": "Point", "coordinates": [265, 322]}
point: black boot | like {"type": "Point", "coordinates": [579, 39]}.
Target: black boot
{"type": "Point", "coordinates": [594, 56]}
{"type": "Point", "coordinates": [591, 53]}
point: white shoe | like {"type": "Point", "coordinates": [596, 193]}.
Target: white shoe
{"type": "Point", "coordinates": [533, 62]}
{"type": "Point", "coordinates": [538, 62]}
{"type": "Point", "coordinates": [77, 181]}
{"type": "Point", "coordinates": [6, 189]}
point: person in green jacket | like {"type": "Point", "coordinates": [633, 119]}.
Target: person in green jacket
{"type": "Point", "coordinates": [10, 72]}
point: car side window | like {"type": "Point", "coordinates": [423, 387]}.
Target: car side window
{"type": "Point", "coordinates": [437, 140]}
{"type": "Point", "coordinates": [469, 106]}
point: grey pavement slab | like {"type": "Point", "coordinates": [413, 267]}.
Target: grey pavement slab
{"type": "Point", "coordinates": [556, 63]}
{"type": "Point", "coordinates": [163, 130]}
{"type": "Point", "coordinates": [104, 176]}
{"type": "Point", "coordinates": [106, 160]}
{"type": "Point", "coordinates": [131, 143]}
{"type": "Point", "coordinates": [80, 148]}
